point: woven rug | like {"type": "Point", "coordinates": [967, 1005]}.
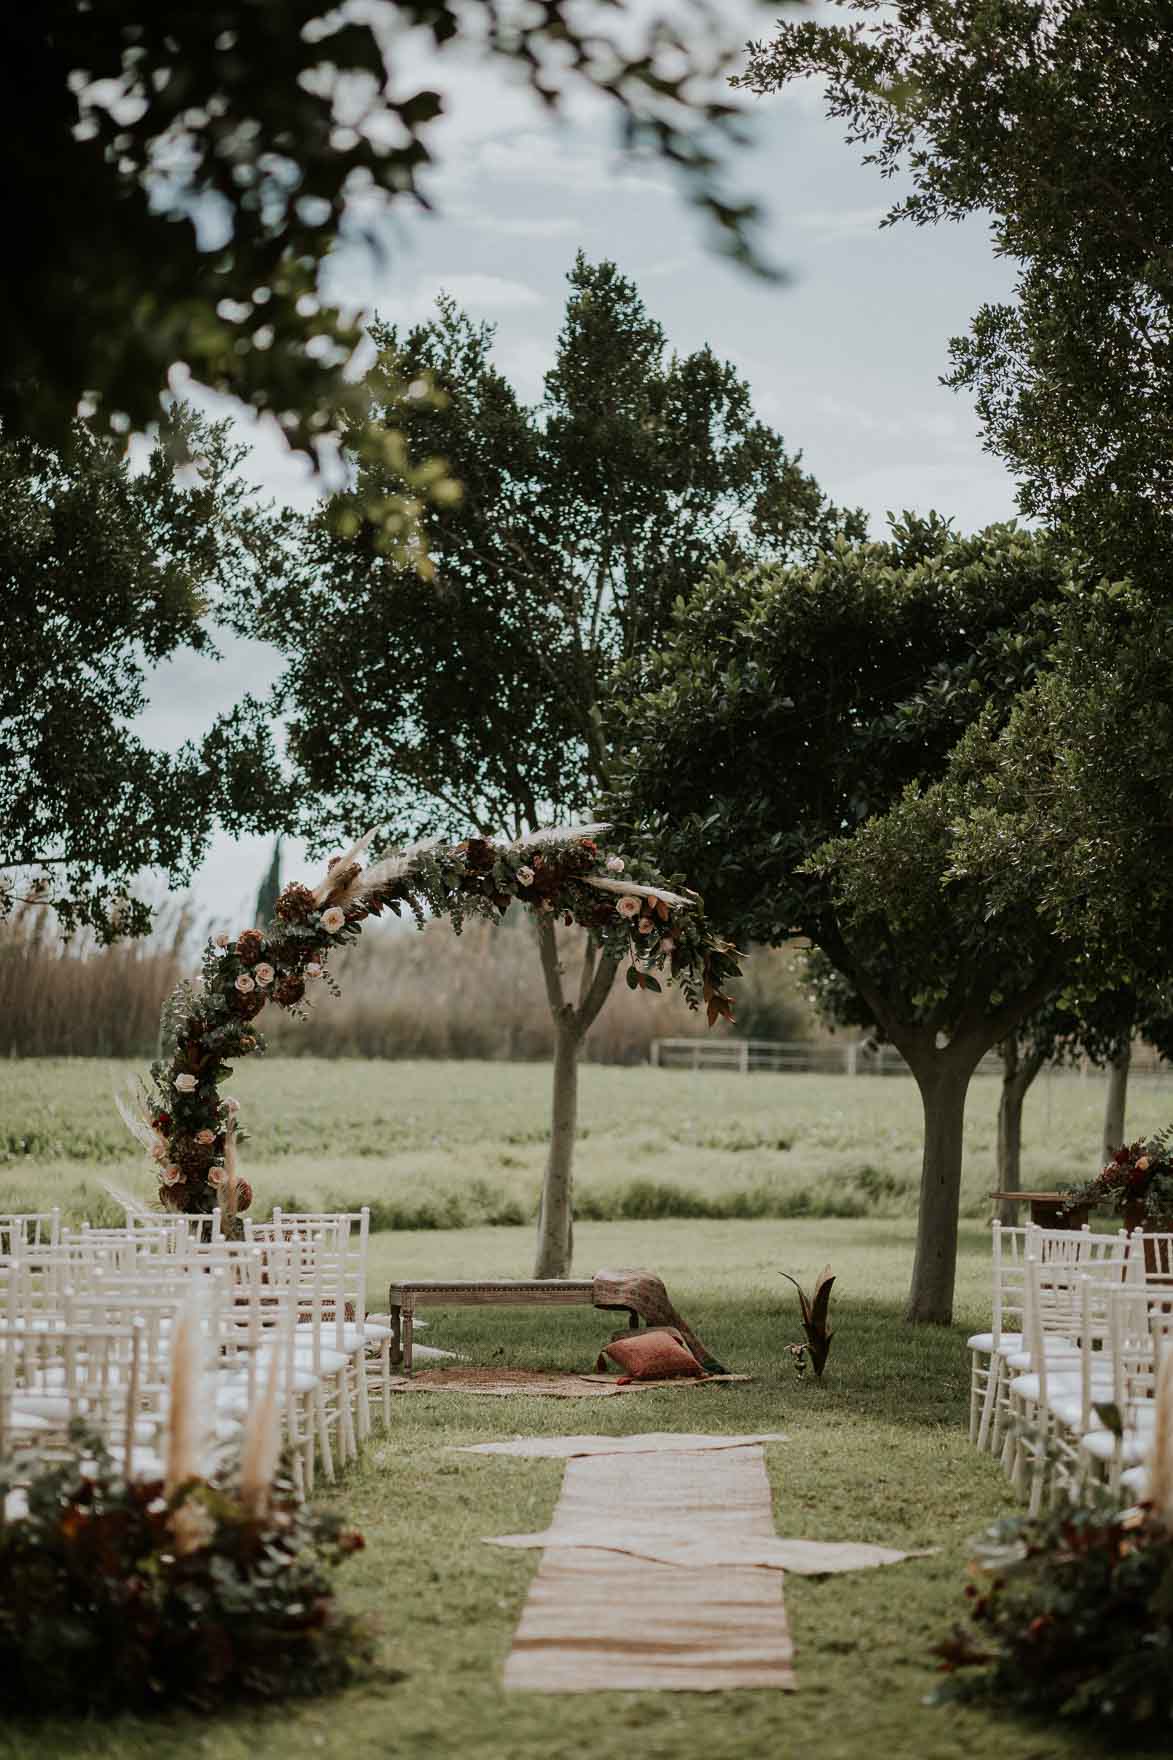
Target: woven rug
{"type": "Point", "coordinates": [600, 1619]}
{"type": "Point", "coordinates": [552, 1384]}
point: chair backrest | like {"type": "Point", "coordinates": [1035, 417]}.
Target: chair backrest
{"type": "Point", "coordinates": [1053, 1311]}
{"type": "Point", "coordinates": [20, 1230]}
{"type": "Point", "coordinates": [178, 1229]}
{"type": "Point", "coordinates": [1153, 1254]}
{"type": "Point", "coordinates": [343, 1232]}
{"type": "Point", "coordinates": [1009, 1249]}
{"type": "Point", "coordinates": [93, 1372]}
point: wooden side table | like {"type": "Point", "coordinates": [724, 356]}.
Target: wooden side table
{"type": "Point", "coordinates": [1046, 1208]}
{"type": "Point", "coordinates": [404, 1298]}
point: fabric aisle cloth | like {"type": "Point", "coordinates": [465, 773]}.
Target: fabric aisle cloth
{"type": "Point", "coordinates": [600, 1619]}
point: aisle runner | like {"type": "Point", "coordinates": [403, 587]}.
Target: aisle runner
{"type": "Point", "coordinates": [600, 1618]}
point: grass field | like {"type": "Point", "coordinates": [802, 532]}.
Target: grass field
{"type": "Point", "coordinates": [877, 1452]}
{"type": "Point", "coordinates": [433, 1145]}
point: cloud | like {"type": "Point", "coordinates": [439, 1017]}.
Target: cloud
{"type": "Point", "coordinates": [830, 223]}
{"type": "Point", "coordinates": [516, 225]}
{"type": "Point", "coordinates": [494, 293]}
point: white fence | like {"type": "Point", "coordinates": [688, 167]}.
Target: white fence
{"type": "Point", "coordinates": [856, 1057]}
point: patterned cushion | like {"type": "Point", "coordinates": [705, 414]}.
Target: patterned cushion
{"type": "Point", "coordinates": [659, 1354]}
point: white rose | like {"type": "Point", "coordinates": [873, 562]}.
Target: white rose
{"type": "Point", "coordinates": [333, 920]}
{"type": "Point", "coordinates": [205, 1137]}
{"type": "Point", "coordinates": [186, 1084]}
{"type": "Point", "coordinates": [215, 1175]}
{"type": "Point", "coordinates": [615, 864]}
{"type": "Point", "coordinates": [244, 984]}
{"type": "Point", "coordinates": [264, 974]}
{"type": "Point", "coordinates": [223, 938]}
{"type": "Point", "coordinates": [313, 970]}
{"type": "Point", "coordinates": [230, 1106]}
{"type": "Point", "coordinates": [525, 876]}
{"type": "Point", "coordinates": [170, 1176]}
{"type": "Point", "coordinates": [628, 906]}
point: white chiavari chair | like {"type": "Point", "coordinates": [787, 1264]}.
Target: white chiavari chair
{"type": "Point", "coordinates": [86, 1374]}
{"type": "Point", "coordinates": [20, 1230]}
{"type": "Point", "coordinates": [365, 1340]}
{"type": "Point", "coordinates": [988, 1350]}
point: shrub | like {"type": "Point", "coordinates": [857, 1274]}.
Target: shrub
{"type": "Point", "coordinates": [103, 1610]}
{"type": "Point", "coordinates": [1071, 1616]}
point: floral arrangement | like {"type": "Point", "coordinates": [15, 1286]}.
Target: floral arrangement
{"type": "Point", "coordinates": [1071, 1613]}
{"type": "Point", "coordinates": [118, 1595]}
{"type": "Point", "coordinates": [191, 1131]}
{"type": "Point", "coordinates": [1137, 1181]}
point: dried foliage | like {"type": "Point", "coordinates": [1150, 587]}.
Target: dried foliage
{"type": "Point", "coordinates": [101, 1611]}
{"type": "Point", "coordinates": [1072, 1615]}
{"type": "Point", "coordinates": [191, 1131]}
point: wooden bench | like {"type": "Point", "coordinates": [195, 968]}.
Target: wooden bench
{"type": "Point", "coordinates": [404, 1298]}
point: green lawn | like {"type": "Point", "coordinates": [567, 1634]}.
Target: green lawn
{"type": "Point", "coordinates": [443, 1144]}
{"type": "Point", "coordinates": [877, 1452]}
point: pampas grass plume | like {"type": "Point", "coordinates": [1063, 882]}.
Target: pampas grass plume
{"type": "Point", "coordinates": [327, 886]}
{"type": "Point", "coordinates": [228, 1185]}
{"type": "Point", "coordinates": [261, 1446]}
{"type": "Point", "coordinates": [1161, 1454]}
{"type": "Point", "coordinates": [191, 1523]}
{"type": "Point", "coordinates": [184, 1454]}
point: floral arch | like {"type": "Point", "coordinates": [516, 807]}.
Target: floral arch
{"type": "Point", "coordinates": [191, 1131]}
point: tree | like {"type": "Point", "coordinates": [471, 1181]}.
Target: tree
{"type": "Point", "coordinates": [178, 176]}
{"type": "Point", "coordinates": [103, 575]}
{"type": "Point", "coordinates": [480, 702]}
{"type": "Point", "coordinates": [1070, 794]}
{"type": "Point", "coordinates": [269, 889]}
{"type": "Point", "coordinates": [791, 747]}
{"type": "Point", "coordinates": [1071, 1029]}
{"type": "Point", "coordinates": [1053, 119]}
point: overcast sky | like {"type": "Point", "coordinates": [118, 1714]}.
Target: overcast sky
{"type": "Point", "coordinates": [844, 358]}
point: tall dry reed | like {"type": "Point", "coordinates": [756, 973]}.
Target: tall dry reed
{"type": "Point", "coordinates": [405, 993]}
{"type": "Point", "coordinates": [79, 1000]}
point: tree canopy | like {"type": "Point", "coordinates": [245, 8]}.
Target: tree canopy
{"type": "Point", "coordinates": [1056, 120]}
{"type": "Point", "coordinates": [104, 573]}
{"type": "Point", "coordinates": [792, 748]}
{"type": "Point", "coordinates": [177, 177]}
{"type": "Point", "coordinates": [478, 699]}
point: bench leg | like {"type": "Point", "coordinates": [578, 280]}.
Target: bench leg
{"type": "Point", "coordinates": [396, 1337]}
{"type": "Point", "coordinates": [408, 1316]}
{"type": "Point", "coordinates": [632, 1320]}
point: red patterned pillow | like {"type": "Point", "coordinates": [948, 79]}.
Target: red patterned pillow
{"type": "Point", "coordinates": [659, 1354]}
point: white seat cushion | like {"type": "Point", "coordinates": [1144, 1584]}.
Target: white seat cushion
{"type": "Point", "coordinates": [1101, 1445]}
{"type": "Point", "coordinates": [984, 1341]}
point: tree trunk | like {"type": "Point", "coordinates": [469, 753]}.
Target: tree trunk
{"type": "Point", "coordinates": [943, 1080]}
{"type": "Point", "coordinates": [555, 1246]}
{"type": "Point", "coordinates": [556, 1210]}
{"type": "Point", "coordinates": [1115, 1103]}
{"type": "Point", "coordinates": [1017, 1075]}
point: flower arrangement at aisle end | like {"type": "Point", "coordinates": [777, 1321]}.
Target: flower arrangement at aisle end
{"type": "Point", "coordinates": [1071, 1612]}
{"type": "Point", "coordinates": [191, 1132]}
{"type": "Point", "coordinates": [1137, 1183]}
{"type": "Point", "coordinates": [212, 1585]}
